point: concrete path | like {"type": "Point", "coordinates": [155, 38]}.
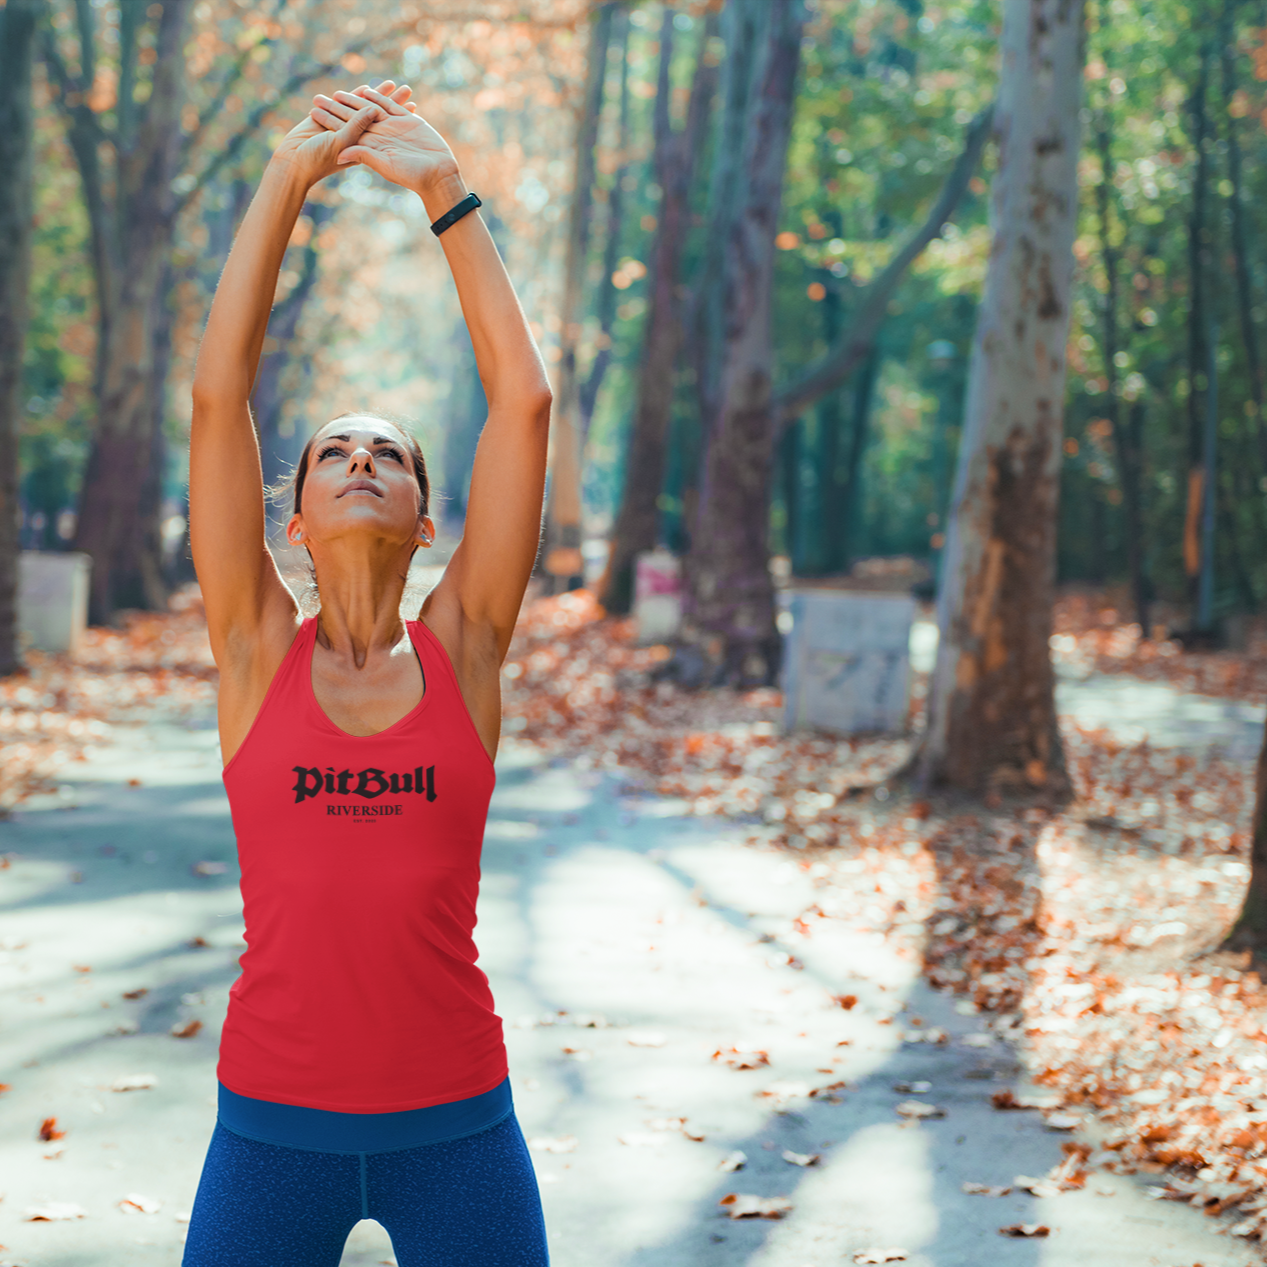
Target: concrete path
{"type": "Point", "coordinates": [625, 944]}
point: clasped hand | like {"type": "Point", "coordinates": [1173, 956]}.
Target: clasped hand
{"type": "Point", "coordinates": [378, 127]}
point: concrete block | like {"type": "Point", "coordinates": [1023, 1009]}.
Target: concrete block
{"type": "Point", "coordinates": [52, 599]}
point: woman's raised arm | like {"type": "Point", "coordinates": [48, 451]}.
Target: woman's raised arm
{"type": "Point", "coordinates": [240, 584]}
{"type": "Point", "coordinates": [474, 608]}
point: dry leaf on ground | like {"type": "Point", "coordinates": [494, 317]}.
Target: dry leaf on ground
{"type": "Point", "coordinates": [1025, 1229]}
{"type": "Point", "coordinates": [553, 1144]}
{"type": "Point", "coordinates": [744, 1205]}
{"type": "Point", "coordinates": [135, 1203]}
{"type": "Point", "coordinates": [185, 1029]}
{"type": "Point", "coordinates": [135, 1082]}
{"type": "Point", "coordinates": [733, 1161]}
{"type": "Point", "coordinates": [984, 1190]}
{"type": "Point", "coordinates": [53, 1212]}
{"type": "Point", "coordinates": [880, 1256]}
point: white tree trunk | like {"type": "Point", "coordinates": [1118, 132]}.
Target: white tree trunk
{"type": "Point", "coordinates": [992, 718]}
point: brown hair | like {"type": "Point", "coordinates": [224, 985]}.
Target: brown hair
{"type": "Point", "coordinates": [295, 485]}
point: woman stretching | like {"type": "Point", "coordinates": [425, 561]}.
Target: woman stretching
{"type": "Point", "coordinates": [362, 1069]}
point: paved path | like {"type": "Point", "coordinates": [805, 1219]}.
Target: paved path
{"type": "Point", "coordinates": [638, 936]}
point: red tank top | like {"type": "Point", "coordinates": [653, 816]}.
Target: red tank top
{"type": "Point", "coordinates": [360, 859]}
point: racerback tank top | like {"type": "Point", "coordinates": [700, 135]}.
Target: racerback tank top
{"type": "Point", "coordinates": [360, 859]}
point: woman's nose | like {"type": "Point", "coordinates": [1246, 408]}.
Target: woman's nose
{"type": "Point", "coordinates": [361, 458]}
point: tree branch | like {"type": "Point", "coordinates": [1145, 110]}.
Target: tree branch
{"type": "Point", "coordinates": [230, 151]}
{"type": "Point", "coordinates": [831, 369]}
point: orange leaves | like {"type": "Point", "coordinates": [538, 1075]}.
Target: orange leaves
{"type": "Point", "coordinates": [48, 1130]}
{"type": "Point", "coordinates": [741, 1058]}
{"type": "Point", "coordinates": [185, 1029]}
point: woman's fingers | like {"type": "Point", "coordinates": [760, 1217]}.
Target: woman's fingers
{"type": "Point", "coordinates": [372, 94]}
{"type": "Point", "coordinates": [331, 122]}
{"type": "Point", "coordinates": [343, 111]}
{"type": "Point", "coordinates": [357, 124]}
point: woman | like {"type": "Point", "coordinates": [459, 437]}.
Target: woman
{"type": "Point", "coordinates": [362, 1069]}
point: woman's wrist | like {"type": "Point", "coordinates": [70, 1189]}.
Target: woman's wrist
{"type": "Point", "coordinates": [442, 194]}
{"type": "Point", "coordinates": [286, 174]}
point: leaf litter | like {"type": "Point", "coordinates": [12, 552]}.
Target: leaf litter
{"type": "Point", "coordinates": [1074, 933]}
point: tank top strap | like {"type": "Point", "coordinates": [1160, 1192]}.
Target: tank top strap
{"type": "Point", "coordinates": [436, 665]}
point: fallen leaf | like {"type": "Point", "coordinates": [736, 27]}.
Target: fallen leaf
{"type": "Point", "coordinates": [185, 1029]}
{"type": "Point", "coordinates": [1062, 1121]}
{"type": "Point", "coordinates": [135, 1203]}
{"type": "Point", "coordinates": [139, 993]}
{"type": "Point", "coordinates": [880, 1256]}
{"type": "Point", "coordinates": [801, 1159]}
{"type": "Point", "coordinates": [48, 1130]}
{"type": "Point", "coordinates": [984, 1190]}
{"type": "Point", "coordinates": [733, 1161]}
{"type": "Point", "coordinates": [183, 1216]}
{"type": "Point", "coordinates": [739, 1058]}
{"type": "Point", "coordinates": [198, 943]}
{"type": "Point", "coordinates": [912, 1088]}
{"type": "Point", "coordinates": [53, 1212]}
{"type": "Point", "coordinates": [1037, 1187]}
{"type": "Point", "coordinates": [552, 1144]}
{"type": "Point", "coordinates": [1025, 1229]}
{"type": "Point", "coordinates": [645, 1038]}
{"type": "Point", "coordinates": [745, 1205]}
{"type": "Point", "coordinates": [81, 967]}
{"type": "Point", "coordinates": [919, 1109]}
{"type": "Point", "coordinates": [847, 1001]}
{"type": "Point", "coordinates": [135, 1082]}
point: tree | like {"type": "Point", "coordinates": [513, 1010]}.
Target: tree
{"type": "Point", "coordinates": [17, 36]}
{"type": "Point", "coordinates": [563, 508]}
{"type": "Point", "coordinates": [991, 705]}
{"type": "Point", "coordinates": [673, 162]}
{"type": "Point", "coordinates": [138, 174]}
{"type": "Point", "coordinates": [730, 593]}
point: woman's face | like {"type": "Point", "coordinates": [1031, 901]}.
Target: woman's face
{"type": "Point", "coordinates": [360, 482]}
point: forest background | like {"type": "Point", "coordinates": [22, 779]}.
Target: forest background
{"type": "Point", "coordinates": [769, 249]}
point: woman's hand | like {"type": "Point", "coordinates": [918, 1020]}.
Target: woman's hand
{"type": "Point", "coordinates": [311, 151]}
{"type": "Point", "coordinates": [399, 145]}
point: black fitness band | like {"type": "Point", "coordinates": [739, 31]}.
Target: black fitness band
{"type": "Point", "coordinates": [450, 218]}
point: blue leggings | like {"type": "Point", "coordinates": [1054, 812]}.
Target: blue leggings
{"type": "Point", "coordinates": [469, 1202]}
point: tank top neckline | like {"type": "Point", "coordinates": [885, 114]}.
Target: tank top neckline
{"type": "Point", "coordinates": [306, 657]}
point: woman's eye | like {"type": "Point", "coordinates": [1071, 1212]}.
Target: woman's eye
{"type": "Point", "coordinates": [325, 453]}
{"type": "Point", "coordinates": [392, 453]}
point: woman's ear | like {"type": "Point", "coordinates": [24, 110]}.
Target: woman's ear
{"type": "Point", "coordinates": [426, 531]}
{"type": "Point", "coordinates": [295, 530]}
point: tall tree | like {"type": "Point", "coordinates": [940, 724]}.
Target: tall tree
{"type": "Point", "coordinates": [992, 715]}
{"type": "Point", "coordinates": [674, 162]}
{"type": "Point", "coordinates": [563, 508]}
{"type": "Point", "coordinates": [17, 38]}
{"type": "Point", "coordinates": [138, 174]}
{"type": "Point", "coordinates": [131, 212]}
{"type": "Point", "coordinates": [1126, 448]}
{"type": "Point", "coordinates": [605, 300]}
{"type": "Point", "coordinates": [1199, 262]}
{"type": "Point", "coordinates": [730, 593]}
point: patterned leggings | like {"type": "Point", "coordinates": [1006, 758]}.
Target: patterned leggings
{"type": "Point", "coordinates": [469, 1202]}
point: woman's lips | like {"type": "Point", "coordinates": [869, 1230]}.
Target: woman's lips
{"type": "Point", "coordinates": [360, 486]}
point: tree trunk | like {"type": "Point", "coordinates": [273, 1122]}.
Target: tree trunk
{"type": "Point", "coordinates": [562, 559]}
{"type": "Point", "coordinates": [1128, 455]}
{"type": "Point", "coordinates": [1198, 344]}
{"type": "Point", "coordinates": [1250, 930]}
{"type": "Point", "coordinates": [850, 512]}
{"type": "Point", "coordinates": [605, 303]}
{"type": "Point", "coordinates": [637, 522]}
{"type": "Point", "coordinates": [1240, 232]}
{"type": "Point", "coordinates": [992, 715]}
{"type": "Point", "coordinates": [131, 234]}
{"type": "Point", "coordinates": [730, 601]}
{"type": "Point", "coordinates": [17, 37]}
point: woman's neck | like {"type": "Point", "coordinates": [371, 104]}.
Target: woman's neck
{"type": "Point", "coordinates": [360, 604]}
